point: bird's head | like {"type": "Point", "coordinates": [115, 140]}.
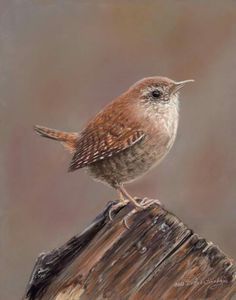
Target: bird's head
{"type": "Point", "coordinates": [157, 92]}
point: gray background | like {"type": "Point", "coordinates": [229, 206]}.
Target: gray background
{"type": "Point", "coordinates": [61, 62]}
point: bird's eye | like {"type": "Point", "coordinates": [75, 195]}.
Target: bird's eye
{"type": "Point", "coordinates": [156, 94]}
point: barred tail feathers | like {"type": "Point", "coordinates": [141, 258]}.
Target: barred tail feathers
{"type": "Point", "coordinates": [68, 139]}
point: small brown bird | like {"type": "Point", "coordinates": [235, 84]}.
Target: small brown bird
{"type": "Point", "coordinates": [128, 137]}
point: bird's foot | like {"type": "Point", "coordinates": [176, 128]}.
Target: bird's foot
{"type": "Point", "coordinates": [145, 203]}
{"type": "Point", "coordinates": [115, 207]}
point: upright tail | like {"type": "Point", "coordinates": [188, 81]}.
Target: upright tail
{"type": "Point", "coordinates": [68, 139]}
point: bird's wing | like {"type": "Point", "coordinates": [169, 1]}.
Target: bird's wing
{"type": "Point", "coordinates": [105, 138]}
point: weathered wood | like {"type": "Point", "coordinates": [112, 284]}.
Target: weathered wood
{"type": "Point", "coordinates": [158, 257]}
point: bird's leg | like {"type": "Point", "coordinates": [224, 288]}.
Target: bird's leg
{"type": "Point", "coordinates": [123, 191]}
{"type": "Point", "coordinates": [145, 203]}
{"type": "Point", "coordinates": [122, 202]}
{"type": "Point", "coordinates": [138, 206]}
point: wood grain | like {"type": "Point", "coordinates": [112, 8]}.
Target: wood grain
{"type": "Point", "coordinates": [158, 257]}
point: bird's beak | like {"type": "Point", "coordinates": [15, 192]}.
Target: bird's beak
{"type": "Point", "coordinates": [179, 84]}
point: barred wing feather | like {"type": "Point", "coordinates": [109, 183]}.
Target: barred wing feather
{"type": "Point", "coordinates": [95, 145]}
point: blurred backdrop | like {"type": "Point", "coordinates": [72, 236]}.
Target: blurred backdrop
{"type": "Point", "coordinates": [60, 63]}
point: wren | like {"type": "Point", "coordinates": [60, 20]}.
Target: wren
{"type": "Point", "coordinates": [130, 136]}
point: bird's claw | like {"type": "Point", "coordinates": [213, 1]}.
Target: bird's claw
{"type": "Point", "coordinates": [115, 207]}
{"type": "Point", "coordinates": [145, 203]}
{"type": "Point", "coordinates": [125, 220]}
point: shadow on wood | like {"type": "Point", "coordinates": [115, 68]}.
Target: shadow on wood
{"type": "Point", "coordinates": [158, 257]}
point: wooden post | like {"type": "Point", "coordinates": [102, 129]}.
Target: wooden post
{"type": "Point", "coordinates": [158, 257]}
